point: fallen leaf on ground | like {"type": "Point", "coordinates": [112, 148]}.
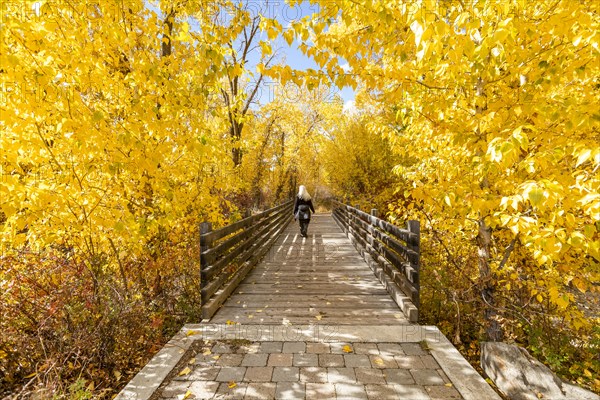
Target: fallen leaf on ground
{"type": "Point", "coordinates": [185, 371]}
{"type": "Point", "coordinates": [231, 384]}
{"type": "Point", "coordinates": [187, 395]}
{"type": "Point", "coordinates": [192, 361]}
{"type": "Point", "coordinates": [448, 385]}
{"type": "Point", "coordinates": [347, 349]}
{"type": "Point", "coordinates": [318, 317]}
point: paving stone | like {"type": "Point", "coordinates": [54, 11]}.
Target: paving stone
{"type": "Point", "coordinates": [352, 391]}
{"type": "Point", "coordinates": [320, 391]}
{"type": "Point", "coordinates": [270, 347]}
{"type": "Point", "coordinates": [258, 374]}
{"type": "Point", "coordinates": [338, 347]}
{"type": "Point", "coordinates": [280, 360]}
{"type": "Point", "coordinates": [205, 360]}
{"type": "Point", "coordinates": [220, 348]}
{"type": "Point", "coordinates": [290, 390]}
{"type": "Point", "coordinates": [175, 388]}
{"type": "Point", "coordinates": [313, 374]}
{"type": "Point", "coordinates": [305, 360]}
{"type": "Point", "coordinates": [286, 374]}
{"type": "Point", "coordinates": [429, 362]}
{"type": "Point", "coordinates": [390, 349]}
{"type": "Point", "coordinates": [426, 377]}
{"type": "Point", "coordinates": [413, 349]}
{"type": "Point", "coordinates": [357, 360]}
{"type": "Point", "coordinates": [398, 376]}
{"type": "Point", "coordinates": [203, 374]}
{"type": "Point", "coordinates": [331, 360]}
{"type": "Point", "coordinates": [412, 392]}
{"type": "Point", "coordinates": [341, 375]}
{"type": "Point", "coordinates": [260, 391]}
{"type": "Point", "coordinates": [444, 376]}
{"type": "Point", "coordinates": [442, 392]}
{"type": "Point", "coordinates": [203, 389]}
{"type": "Point", "coordinates": [383, 362]}
{"type": "Point", "coordinates": [318, 348]}
{"type": "Point", "coordinates": [366, 348]}
{"type": "Point", "coordinates": [228, 374]}
{"type": "Point", "coordinates": [409, 362]}
{"type": "Point", "coordinates": [255, 360]}
{"type": "Point", "coordinates": [248, 348]}
{"type": "Point", "coordinates": [236, 392]}
{"type": "Point", "coordinates": [369, 375]}
{"type": "Point", "coordinates": [294, 347]}
{"type": "Point", "coordinates": [230, 360]}
{"type": "Point", "coordinates": [381, 392]}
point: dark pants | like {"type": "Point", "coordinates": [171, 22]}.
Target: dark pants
{"type": "Point", "coordinates": [304, 226]}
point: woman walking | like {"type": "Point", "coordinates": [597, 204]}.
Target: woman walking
{"type": "Point", "coordinates": [302, 209]}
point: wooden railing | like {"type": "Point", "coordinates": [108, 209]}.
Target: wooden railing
{"type": "Point", "coordinates": [229, 253]}
{"type": "Point", "coordinates": [392, 253]}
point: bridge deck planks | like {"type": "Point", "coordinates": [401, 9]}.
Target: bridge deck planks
{"type": "Point", "coordinates": [320, 279]}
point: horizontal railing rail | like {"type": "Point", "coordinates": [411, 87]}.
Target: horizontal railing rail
{"type": "Point", "coordinates": [392, 252]}
{"type": "Point", "coordinates": [229, 253]}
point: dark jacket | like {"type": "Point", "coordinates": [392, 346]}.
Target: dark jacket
{"type": "Point", "coordinates": [300, 202]}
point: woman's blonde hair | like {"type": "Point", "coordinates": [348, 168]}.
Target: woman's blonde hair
{"type": "Point", "coordinates": [303, 193]}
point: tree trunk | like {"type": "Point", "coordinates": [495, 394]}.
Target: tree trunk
{"type": "Point", "coordinates": [493, 330]}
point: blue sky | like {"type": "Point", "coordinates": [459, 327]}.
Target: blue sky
{"type": "Point", "coordinates": [285, 14]}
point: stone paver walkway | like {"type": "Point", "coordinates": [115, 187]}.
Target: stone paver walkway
{"type": "Point", "coordinates": [307, 370]}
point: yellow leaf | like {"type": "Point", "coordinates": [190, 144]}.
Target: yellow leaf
{"type": "Point", "coordinates": [448, 385]}
{"type": "Point", "coordinates": [318, 317]}
{"type": "Point", "coordinates": [187, 394]}
{"type": "Point", "coordinates": [229, 322]}
{"type": "Point", "coordinates": [216, 357]}
{"type": "Point", "coordinates": [231, 385]}
{"type": "Point", "coordinates": [539, 297]}
{"type": "Point", "coordinates": [580, 284]}
{"type": "Point", "coordinates": [31, 375]}
{"type": "Point", "coordinates": [192, 361]}
{"type": "Point", "coordinates": [185, 371]}
{"type": "Point", "coordinates": [190, 333]}
{"type": "Point", "coordinates": [378, 361]}
{"type": "Point", "coordinates": [289, 36]}
{"type": "Point", "coordinates": [347, 349]}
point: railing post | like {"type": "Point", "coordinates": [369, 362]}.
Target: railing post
{"type": "Point", "coordinates": [205, 227]}
{"type": "Point", "coordinates": [375, 212]}
{"type": "Point", "coordinates": [415, 244]}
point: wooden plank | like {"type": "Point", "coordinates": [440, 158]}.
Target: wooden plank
{"type": "Point", "coordinates": [327, 325]}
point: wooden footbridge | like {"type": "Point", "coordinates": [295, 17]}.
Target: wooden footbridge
{"type": "Point", "coordinates": [318, 278]}
{"type": "Point", "coordinates": [332, 315]}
